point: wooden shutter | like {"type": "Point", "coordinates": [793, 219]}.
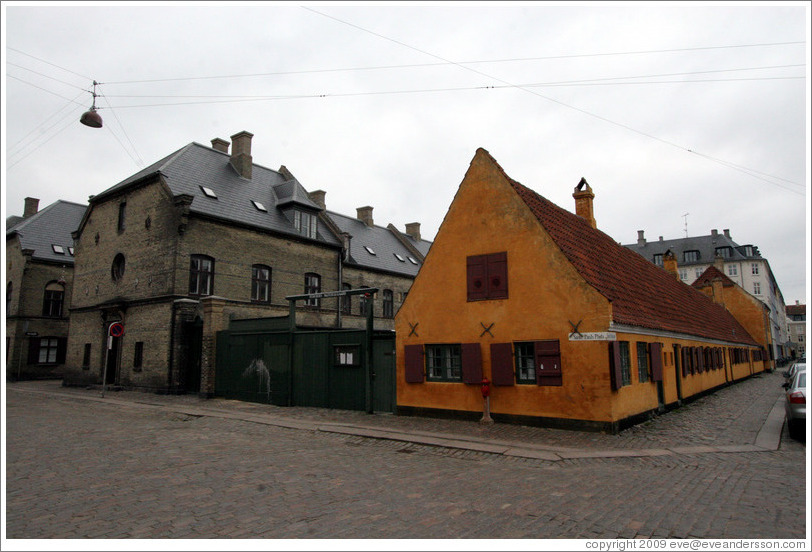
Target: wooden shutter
{"type": "Point", "coordinates": [502, 363]}
{"type": "Point", "coordinates": [497, 276]}
{"type": "Point", "coordinates": [471, 363]}
{"type": "Point", "coordinates": [615, 374]}
{"type": "Point", "coordinates": [413, 356]}
{"type": "Point", "coordinates": [61, 349]}
{"type": "Point", "coordinates": [33, 350]}
{"type": "Point", "coordinates": [548, 362]}
{"type": "Point", "coordinates": [685, 366]}
{"type": "Point", "coordinates": [655, 353]}
{"type": "Point", "coordinates": [477, 275]}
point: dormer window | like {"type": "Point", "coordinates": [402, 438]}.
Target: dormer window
{"type": "Point", "coordinates": [369, 250]}
{"type": "Point", "coordinates": [208, 192]}
{"type": "Point", "coordinates": [58, 249]}
{"type": "Point", "coordinates": [259, 206]}
{"type": "Point", "coordinates": [658, 259]}
{"type": "Point", "coordinates": [724, 252]}
{"type": "Point", "coordinates": [305, 223]}
{"type": "Point", "coordinates": [691, 256]}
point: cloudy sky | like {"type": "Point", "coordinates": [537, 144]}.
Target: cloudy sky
{"type": "Point", "coordinates": [682, 117]}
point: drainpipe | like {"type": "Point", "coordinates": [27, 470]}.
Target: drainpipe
{"type": "Point", "coordinates": [340, 300]}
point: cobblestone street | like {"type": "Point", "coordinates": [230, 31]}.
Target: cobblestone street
{"type": "Point", "coordinates": [134, 465]}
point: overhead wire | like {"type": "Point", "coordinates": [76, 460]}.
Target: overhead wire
{"type": "Point", "coordinates": [750, 172]}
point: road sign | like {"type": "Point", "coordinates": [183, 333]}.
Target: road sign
{"type": "Point", "coordinates": [116, 329]}
{"type": "Point", "coordinates": [593, 336]}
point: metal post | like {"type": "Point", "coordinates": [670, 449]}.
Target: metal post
{"type": "Point", "coordinates": [106, 361]}
{"type": "Point", "coordinates": [368, 355]}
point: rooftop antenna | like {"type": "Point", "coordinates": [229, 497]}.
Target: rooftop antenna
{"type": "Point", "coordinates": [685, 216]}
{"type": "Point", "coordinates": [92, 118]}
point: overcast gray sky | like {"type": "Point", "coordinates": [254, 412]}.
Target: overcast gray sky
{"type": "Point", "coordinates": [665, 109]}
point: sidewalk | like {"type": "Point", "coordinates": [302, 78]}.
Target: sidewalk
{"type": "Point", "coordinates": [745, 417]}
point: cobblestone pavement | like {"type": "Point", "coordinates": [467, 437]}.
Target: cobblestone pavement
{"type": "Point", "coordinates": [136, 465]}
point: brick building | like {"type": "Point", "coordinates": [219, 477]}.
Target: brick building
{"type": "Point", "coordinates": [39, 276]}
{"type": "Point", "coordinates": [571, 328]}
{"type": "Point", "coordinates": [205, 236]}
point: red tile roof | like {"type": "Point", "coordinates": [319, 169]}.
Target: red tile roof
{"type": "Point", "coordinates": [641, 293]}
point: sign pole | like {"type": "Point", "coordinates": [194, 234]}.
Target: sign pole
{"type": "Point", "coordinates": [106, 362]}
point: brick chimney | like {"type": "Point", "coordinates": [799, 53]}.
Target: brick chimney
{"type": "Point", "coordinates": [718, 291]}
{"type": "Point", "coordinates": [241, 153]}
{"type": "Point", "coordinates": [220, 145]}
{"type": "Point", "coordinates": [726, 231]}
{"type": "Point", "coordinates": [413, 230]}
{"type": "Point", "coordinates": [670, 263]}
{"type": "Point", "coordinates": [583, 202]}
{"type": "Point", "coordinates": [318, 197]}
{"type": "Point", "coordinates": [641, 241]}
{"type": "Point", "coordinates": [365, 215]}
{"type": "Point", "coordinates": [31, 206]}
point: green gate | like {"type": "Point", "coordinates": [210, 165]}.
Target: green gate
{"type": "Point", "coordinates": [264, 361]}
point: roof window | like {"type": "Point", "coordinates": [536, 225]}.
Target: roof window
{"type": "Point", "coordinates": [411, 260]}
{"type": "Point", "coordinates": [70, 251]}
{"type": "Point", "coordinates": [398, 257]}
{"type": "Point", "coordinates": [209, 192]}
{"type": "Point", "coordinates": [259, 206]}
{"type": "Point", "coordinates": [369, 250]}
{"type": "Point", "coordinates": [58, 249]}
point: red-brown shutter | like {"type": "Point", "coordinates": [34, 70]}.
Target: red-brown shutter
{"type": "Point", "coordinates": [614, 365]}
{"type": "Point", "coordinates": [655, 353]}
{"type": "Point", "coordinates": [502, 363]}
{"type": "Point", "coordinates": [61, 350]}
{"type": "Point", "coordinates": [497, 276]}
{"type": "Point", "coordinates": [548, 362]}
{"type": "Point", "coordinates": [413, 355]}
{"type": "Point", "coordinates": [685, 365]}
{"type": "Point", "coordinates": [33, 350]}
{"type": "Point", "coordinates": [471, 363]}
{"type": "Point", "coordinates": [477, 271]}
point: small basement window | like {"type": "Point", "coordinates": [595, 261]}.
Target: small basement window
{"type": "Point", "coordinates": [369, 250]}
{"type": "Point", "coordinates": [208, 192]}
{"type": "Point", "coordinates": [259, 206]}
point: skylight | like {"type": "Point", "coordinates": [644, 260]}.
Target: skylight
{"type": "Point", "coordinates": [70, 250]}
{"type": "Point", "coordinates": [412, 261]}
{"type": "Point", "coordinates": [259, 206]}
{"type": "Point", "coordinates": [398, 257]}
{"type": "Point", "coordinates": [209, 192]}
{"type": "Point", "coordinates": [58, 249]}
{"type": "Point", "coordinates": [369, 250]}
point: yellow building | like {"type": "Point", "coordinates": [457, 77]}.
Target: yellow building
{"type": "Point", "coordinates": [571, 328]}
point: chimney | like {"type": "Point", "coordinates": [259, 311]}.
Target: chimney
{"type": "Point", "coordinates": [727, 233]}
{"type": "Point", "coordinates": [241, 153]}
{"type": "Point", "coordinates": [365, 215]}
{"type": "Point", "coordinates": [318, 197]}
{"type": "Point", "coordinates": [797, 302]}
{"type": "Point", "coordinates": [413, 230]}
{"type": "Point", "coordinates": [718, 292]}
{"type": "Point", "coordinates": [670, 263]}
{"type": "Point", "coordinates": [220, 145]}
{"type": "Point", "coordinates": [714, 233]}
{"type": "Point", "coordinates": [641, 241]}
{"type": "Point", "coordinates": [31, 207]}
{"type": "Point", "coordinates": [661, 238]}
{"type": "Point", "coordinates": [583, 202]}
{"type": "Point", "coordinates": [719, 263]}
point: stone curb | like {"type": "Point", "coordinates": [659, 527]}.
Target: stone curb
{"type": "Point", "coordinates": [768, 438]}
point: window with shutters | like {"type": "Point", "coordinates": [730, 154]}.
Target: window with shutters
{"type": "Point", "coordinates": [443, 363]}
{"type": "Point", "coordinates": [525, 363]}
{"type": "Point", "coordinates": [642, 362]}
{"type": "Point", "coordinates": [487, 277]}
{"type": "Point", "coordinates": [620, 364]}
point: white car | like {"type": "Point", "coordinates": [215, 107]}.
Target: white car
{"type": "Point", "coordinates": [795, 404]}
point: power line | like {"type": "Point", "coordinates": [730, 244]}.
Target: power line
{"type": "Point", "coordinates": [558, 102]}
{"type": "Point", "coordinates": [442, 63]}
{"type": "Point", "coordinates": [49, 63]}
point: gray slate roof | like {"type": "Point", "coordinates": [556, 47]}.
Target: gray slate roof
{"type": "Point", "coordinates": [48, 227]}
{"type": "Point", "coordinates": [383, 243]}
{"type": "Point", "coordinates": [706, 245]}
{"type": "Point", "coordinates": [194, 167]}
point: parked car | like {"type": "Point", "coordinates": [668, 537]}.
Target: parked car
{"type": "Point", "coordinates": [795, 404]}
{"type": "Point", "coordinates": [789, 374]}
